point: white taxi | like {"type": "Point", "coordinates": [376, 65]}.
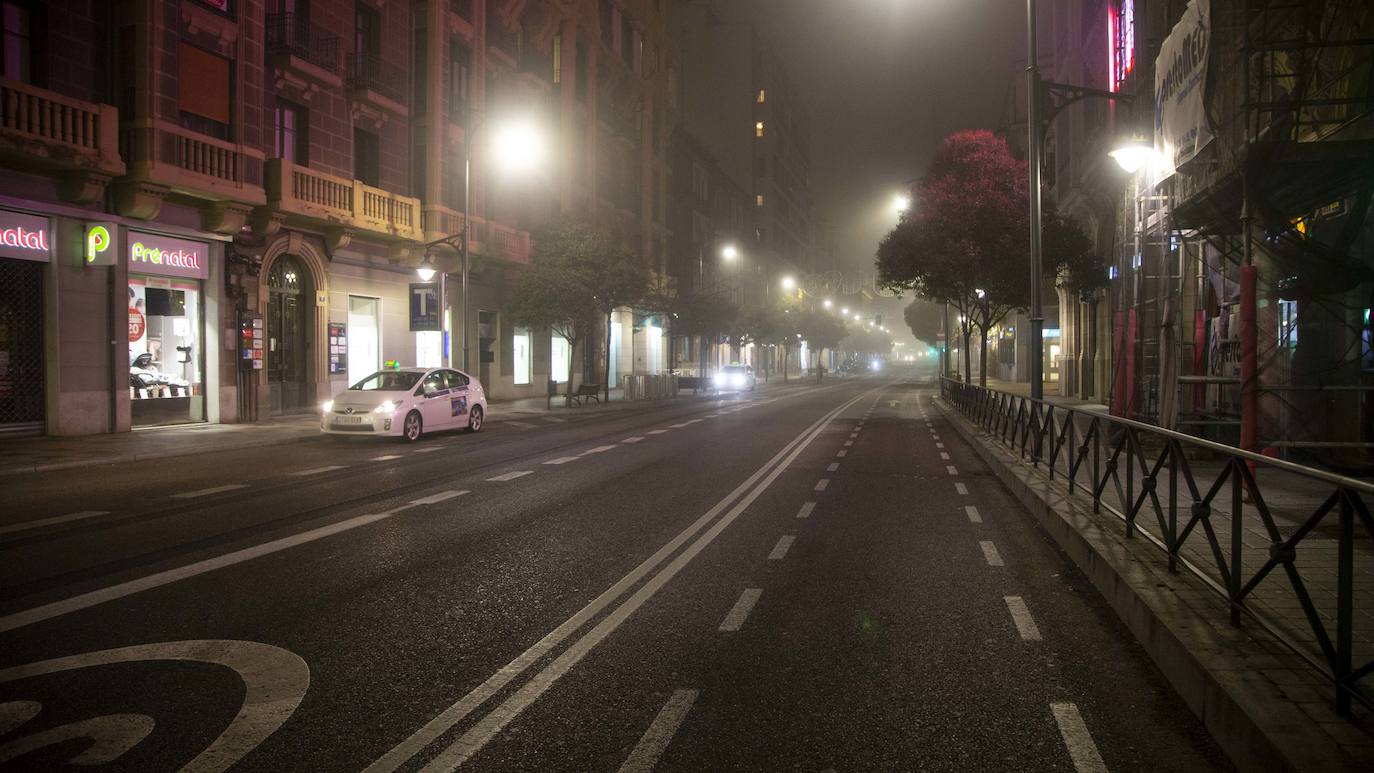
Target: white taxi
{"type": "Point", "coordinates": [406, 402]}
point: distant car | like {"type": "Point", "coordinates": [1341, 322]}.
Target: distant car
{"type": "Point", "coordinates": [734, 378]}
{"type": "Point", "coordinates": [406, 403]}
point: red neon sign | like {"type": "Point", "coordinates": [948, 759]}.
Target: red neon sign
{"type": "Point", "coordinates": [1120, 43]}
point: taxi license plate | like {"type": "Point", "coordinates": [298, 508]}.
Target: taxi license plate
{"type": "Point", "coordinates": [348, 420]}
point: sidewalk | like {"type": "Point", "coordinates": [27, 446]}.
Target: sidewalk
{"type": "Point", "coordinates": [44, 454]}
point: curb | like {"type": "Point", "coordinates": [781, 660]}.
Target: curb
{"type": "Point", "coordinates": [1204, 661]}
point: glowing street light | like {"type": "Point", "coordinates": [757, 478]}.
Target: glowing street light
{"type": "Point", "coordinates": [901, 203]}
{"type": "Point", "coordinates": [729, 252]}
{"type": "Point", "coordinates": [426, 270]}
{"type": "Point", "coordinates": [979, 292]}
{"type": "Point", "coordinates": [788, 283]}
{"type": "Point", "coordinates": [1132, 154]}
{"type": "Point", "coordinates": [845, 311]}
{"type": "Point", "coordinates": [826, 303]}
{"type": "Point", "coordinates": [517, 146]}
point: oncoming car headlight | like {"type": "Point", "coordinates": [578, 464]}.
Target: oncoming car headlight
{"type": "Point", "coordinates": [719, 379]}
{"type": "Point", "coordinates": [386, 408]}
{"type": "Point", "coordinates": [738, 380]}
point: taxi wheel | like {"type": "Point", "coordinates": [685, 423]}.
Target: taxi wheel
{"type": "Point", "coordinates": [413, 427]}
{"type": "Point", "coordinates": [475, 419]}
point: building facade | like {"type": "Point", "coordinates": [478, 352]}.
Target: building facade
{"type": "Point", "coordinates": [248, 187]}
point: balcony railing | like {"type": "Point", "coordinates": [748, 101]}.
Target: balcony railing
{"type": "Point", "coordinates": [66, 131]}
{"type": "Point", "coordinates": [291, 35]}
{"type": "Point", "coordinates": [509, 243]}
{"type": "Point", "coordinates": [298, 190]}
{"type": "Point", "coordinates": [368, 72]}
{"type": "Point", "coordinates": [185, 160]}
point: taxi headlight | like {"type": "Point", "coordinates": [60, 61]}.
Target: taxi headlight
{"type": "Point", "coordinates": [719, 379]}
{"type": "Point", "coordinates": [387, 408]}
{"type": "Point", "coordinates": [738, 380]}
{"type": "Point", "coordinates": [327, 406]}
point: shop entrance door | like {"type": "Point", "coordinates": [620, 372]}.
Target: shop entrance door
{"type": "Point", "coordinates": [21, 347]}
{"type": "Point", "coordinates": [289, 301]}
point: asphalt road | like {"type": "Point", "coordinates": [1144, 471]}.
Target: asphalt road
{"type": "Point", "coordinates": [803, 578]}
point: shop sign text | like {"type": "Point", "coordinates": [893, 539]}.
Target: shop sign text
{"type": "Point", "coordinates": [25, 237]}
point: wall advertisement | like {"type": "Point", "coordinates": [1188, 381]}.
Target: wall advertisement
{"type": "Point", "coordinates": [1181, 129]}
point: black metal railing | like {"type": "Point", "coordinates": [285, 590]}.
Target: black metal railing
{"type": "Point", "coordinates": [1255, 529]}
{"type": "Point", "coordinates": [288, 33]}
{"type": "Point", "coordinates": [368, 71]}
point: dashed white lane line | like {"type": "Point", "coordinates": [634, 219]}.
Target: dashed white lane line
{"type": "Point", "coordinates": [554, 419]}
{"type": "Point", "coordinates": [679, 426]}
{"type": "Point", "coordinates": [597, 450]}
{"type": "Point", "coordinates": [563, 460]}
{"type": "Point", "coordinates": [644, 757]}
{"type": "Point", "coordinates": [849, 442]}
{"type": "Point", "coordinates": [990, 553]}
{"type": "Point", "coordinates": [822, 484]}
{"type": "Point", "coordinates": [635, 439]}
{"type": "Point", "coordinates": [426, 449]}
{"type": "Point", "coordinates": [740, 611]}
{"type": "Point", "coordinates": [833, 467]}
{"type": "Point", "coordinates": [951, 469]}
{"type": "Point", "coordinates": [961, 488]}
{"type": "Point", "coordinates": [205, 492]}
{"type": "Point", "coordinates": [842, 453]}
{"type": "Point", "coordinates": [656, 432]}
{"type": "Point", "coordinates": [973, 515]}
{"type": "Point", "coordinates": [944, 456]}
{"type": "Point", "coordinates": [853, 434]}
{"type": "Point", "coordinates": [316, 471]}
{"type": "Point", "coordinates": [384, 458]}
{"type": "Point", "coordinates": [56, 519]}
{"type": "Point", "coordinates": [434, 499]}
{"type": "Point", "coordinates": [1079, 741]}
{"type": "Point", "coordinates": [805, 511]}
{"type": "Point", "coordinates": [779, 551]}
{"type": "Point", "coordinates": [510, 476]}
{"type": "Point", "coordinates": [935, 437]}
{"type": "Point", "coordinates": [939, 445]}
{"type": "Point", "coordinates": [520, 424]}
{"type": "Point", "coordinates": [1021, 616]}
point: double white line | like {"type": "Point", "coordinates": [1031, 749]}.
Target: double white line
{"type": "Point", "coordinates": [713, 522]}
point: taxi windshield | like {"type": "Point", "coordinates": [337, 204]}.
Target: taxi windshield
{"type": "Point", "coordinates": [388, 381]}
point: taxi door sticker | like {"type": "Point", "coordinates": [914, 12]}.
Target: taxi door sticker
{"type": "Point", "coordinates": [459, 405]}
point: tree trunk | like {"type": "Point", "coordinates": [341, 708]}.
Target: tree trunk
{"type": "Point", "coordinates": [608, 356]}
{"type": "Point", "coordinates": [968, 357]}
{"type": "Point", "coordinates": [572, 358]}
{"type": "Point", "coordinates": [983, 357]}
{"type": "Point", "coordinates": [786, 356]}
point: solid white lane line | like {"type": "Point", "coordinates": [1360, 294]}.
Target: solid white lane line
{"type": "Point", "coordinates": [990, 553]}
{"type": "Point", "coordinates": [316, 471]}
{"type": "Point", "coordinates": [656, 432]}
{"type": "Point", "coordinates": [41, 522]}
{"type": "Point", "coordinates": [205, 492]}
{"type": "Point", "coordinates": [833, 467]}
{"type": "Point", "coordinates": [434, 499]}
{"type": "Point", "coordinates": [1021, 616]}
{"type": "Point", "coordinates": [644, 757]}
{"type": "Point", "coordinates": [822, 484]}
{"type": "Point", "coordinates": [489, 725]}
{"type": "Point", "coordinates": [563, 460]}
{"type": "Point", "coordinates": [597, 450]}
{"type": "Point", "coordinates": [1079, 741]}
{"type": "Point", "coordinates": [779, 551]}
{"type": "Point", "coordinates": [842, 453]}
{"type": "Point", "coordinates": [951, 469]}
{"type": "Point", "coordinates": [633, 439]}
{"type": "Point", "coordinates": [944, 456]}
{"type": "Point", "coordinates": [385, 458]}
{"type": "Point", "coordinates": [805, 511]}
{"type": "Point", "coordinates": [961, 488]}
{"type": "Point", "coordinates": [740, 611]}
{"type": "Point", "coordinates": [86, 600]}
{"type": "Point", "coordinates": [510, 476]}
{"type": "Point", "coordinates": [973, 515]}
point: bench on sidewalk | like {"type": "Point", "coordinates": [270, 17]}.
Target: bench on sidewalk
{"type": "Point", "coordinates": [586, 392]}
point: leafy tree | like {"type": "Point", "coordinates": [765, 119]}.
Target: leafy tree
{"type": "Point", "coordinates": [764, 326]}
{"type": "Point", "coordinates": [926, 321]}
{"type": "Point", "coordinates": [706, 316]}
{"type": "Point", "coordinates": [966, 241]}
{"type": "Point", "coordinates": [551, 295]}
{"type": "Point", "coordinates": [821, 331]}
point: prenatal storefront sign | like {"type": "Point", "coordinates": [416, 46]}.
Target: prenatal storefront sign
{"type": "Point", "coordinates": [26, 237]}
{"type": "Point", "coordinates": [168, 256]}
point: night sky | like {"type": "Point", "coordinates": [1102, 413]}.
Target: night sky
{"type": "Point", "coordinates": [886, 80]}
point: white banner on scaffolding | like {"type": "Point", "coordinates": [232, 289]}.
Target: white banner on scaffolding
{"type": "Point", "coordinates": [1181, 129]}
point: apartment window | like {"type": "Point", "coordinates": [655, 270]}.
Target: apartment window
{"type": "Point", "coordinates": [637, 51]}
{"type": "Point", "coordinates": [700, 183]}
{"type": "Point", "coordinates": [557, 59]}
{"type": "Point", "coordinates": [366, 163]}
{"type": "Point", "coordinates": [623, 46]}
{"type": "Point", "coordinates": [581, 75]}
{"type": "Point", "coordinates": [205, 83]}
{"type": "Point", "coordinates": [758, 200]}
{"type": "Point", "coordinates": [367, 31]}
{"type": "Point", "coordinates": [758, 129]}
{"type": "Point", "coordinates": [610, 23]}
{"type": "Point", "coordinates": [290, 126]}
{"type": "Point", "coordinates": [16, 41]}
{"type": "Point", "coordinates": [459, 76]}
{"type": "Point", "coordinates": [761, 96]}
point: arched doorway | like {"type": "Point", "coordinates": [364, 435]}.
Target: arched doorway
{"type": "Point", "coordinates": [290, 303]}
